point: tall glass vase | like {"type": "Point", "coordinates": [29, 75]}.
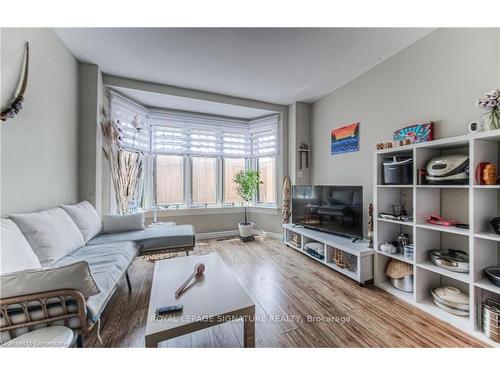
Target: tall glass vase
{"type": "Point", "coordinates": [491, 120]}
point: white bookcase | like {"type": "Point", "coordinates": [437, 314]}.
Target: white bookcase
{"type": "Point", "coordinates": [472, 204]}
{"type": "Point", "coordinates": [362, 267]}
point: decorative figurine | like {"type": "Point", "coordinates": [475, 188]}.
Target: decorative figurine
{"type": "Point", "coordinates": [370, 225]}
{"type": "Point", "coordinates": [490, 175]}
{"type": "Point", "coordinates": [287, 192]}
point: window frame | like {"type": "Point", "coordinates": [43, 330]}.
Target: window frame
{"type": "Point", "coordinates": [255, 166]}
{"type": "Point", "coordinates": [222, 181]}
{"type": "Point", "coordinates": [217, 183]}
{"type": "Point", "coordinates": [182, 204]}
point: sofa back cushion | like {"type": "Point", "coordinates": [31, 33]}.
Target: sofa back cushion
{"type": "Point", "coordinates": [118, 223]}
{"type": "Point", "coordinates": [51, 233]}
{"type": "Point", "coordinates": [86, 219]}
{"type": "Point", "coordinates": [71, 276]}
{"type": "Point", "coordinates": [16, 253]}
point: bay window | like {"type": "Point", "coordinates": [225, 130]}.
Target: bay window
{"type": "Point", "coordinates": [196, 157]}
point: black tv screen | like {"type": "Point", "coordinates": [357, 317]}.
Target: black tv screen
{"type": "Point", "coordinates": [332, 209]}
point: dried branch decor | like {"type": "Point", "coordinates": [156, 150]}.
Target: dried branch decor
{"type": "Point", "coordinates": [126, 166]}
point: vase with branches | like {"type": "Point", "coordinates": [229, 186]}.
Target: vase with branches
{"type": "Point", "coordinates": [247, 185]}
{"type": "Point", "coordinates": [490, 102]}
{"type": "Point", "coordinates": [126, 166]}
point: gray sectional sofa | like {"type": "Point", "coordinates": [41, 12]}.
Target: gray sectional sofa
{"type": "Point", "coordinates": [67, 248]}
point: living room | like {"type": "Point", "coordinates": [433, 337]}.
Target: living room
{"type": "Point", "coordinates": [250, 187]}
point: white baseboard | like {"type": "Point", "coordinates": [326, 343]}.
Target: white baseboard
{"type": "Point", "coordinates": [231, 233]}
{"type": "Point", "coordinates": [213, 235]}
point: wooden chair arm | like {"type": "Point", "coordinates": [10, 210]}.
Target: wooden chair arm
{"type": "Point", "coordinates": [29, 303]}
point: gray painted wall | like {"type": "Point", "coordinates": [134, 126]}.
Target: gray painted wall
{"type": "Point", "coordinates": [437, 78]}
{"type": "Point", "coordinates": [299, 131]}
{"type": "Point", "coordinates": [89, 135]}
{"type": "Point", "coordinates": [39, 149]}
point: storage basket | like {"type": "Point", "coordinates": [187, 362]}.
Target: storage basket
{"type": "Point", "coordinates": [397, 269]}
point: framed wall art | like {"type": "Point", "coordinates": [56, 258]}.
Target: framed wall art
{"type": "Point", "coordinates": [345, 139]}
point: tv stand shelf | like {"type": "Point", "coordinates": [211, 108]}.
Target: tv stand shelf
{"type": "Point", "coordinates": [359, 254]}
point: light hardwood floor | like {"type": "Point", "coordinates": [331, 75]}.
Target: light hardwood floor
{"type": "Point", "coordinates": [289, 290]}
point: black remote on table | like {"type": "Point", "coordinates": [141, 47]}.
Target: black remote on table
{"type": "Point", "coordinates": [168, 309]}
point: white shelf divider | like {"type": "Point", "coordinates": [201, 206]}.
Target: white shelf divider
{"type": "Point", "coordinates": [443, 228]}
{"type": "Point", "coordinates": [397, 256]}
{"type": "Point", "coordinates": [398, 222]}
{"type": "Point", "coordinates": [428, 265]}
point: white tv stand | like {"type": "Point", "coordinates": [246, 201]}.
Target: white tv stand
{"type": "Point", "coordinates": [362, 266]}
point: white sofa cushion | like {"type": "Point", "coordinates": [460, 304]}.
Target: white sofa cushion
{"type": "Point", "coordinates": [16, 253]}
{"type": "Point", "coordinates": [72, 276]}
{"type": "Point", "coordinates": [117, 223]}
{"type": "Point", "coordinates": [86, 219]}
{"type": "Point", "coordinates": [51, 233]}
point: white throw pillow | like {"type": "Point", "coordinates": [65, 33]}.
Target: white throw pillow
{"type": "Point", "coordinates": [51, 233]}
{"type": "Point", "coordinates": [16, 253]}
{"type": "Point", "coordinates": [117, 223]}
{"type": "Point", "coordinates": [71, 276]}
{"type": "Point", "coordinates": [86, 219]}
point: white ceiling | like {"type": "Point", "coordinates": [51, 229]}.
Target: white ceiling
{"type": "Point", "coordinates": [152, 99]}
{"type": "Point", "coordinates": [277, 65]}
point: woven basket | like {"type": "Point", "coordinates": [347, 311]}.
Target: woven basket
{"type": "Point", "coordinates": [397, 269]}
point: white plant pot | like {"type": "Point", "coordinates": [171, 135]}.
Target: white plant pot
{"type": "Point", "coordinates": [246, 230]}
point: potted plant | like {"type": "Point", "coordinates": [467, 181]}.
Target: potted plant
{"type": "Point", "coordinates": [247, 184]}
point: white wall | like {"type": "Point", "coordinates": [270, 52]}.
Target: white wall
{"type": "Point", "coordinates": [437, 79]}
{"type": "Point", "coordinates": [39, 155]}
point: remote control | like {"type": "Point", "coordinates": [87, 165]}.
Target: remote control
{"type": "Point", "coordinates": [168, 309]}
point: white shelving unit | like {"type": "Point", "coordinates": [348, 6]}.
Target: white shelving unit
{"type": "Point", "coordinates": [363, 265]}
{"type": "Point", "coordinates": [471, 204]}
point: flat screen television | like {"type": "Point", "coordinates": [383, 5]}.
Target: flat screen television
{"type": "Point", "coordinates": [332, 209]}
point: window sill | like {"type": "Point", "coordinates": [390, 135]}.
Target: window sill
{"type": "Point", "coordinates": [213, 211]}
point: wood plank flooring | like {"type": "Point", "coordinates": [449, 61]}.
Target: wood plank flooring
{"type": "Point", "coordinates": [299, 303]}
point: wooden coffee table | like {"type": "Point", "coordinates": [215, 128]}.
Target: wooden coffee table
{"type": "Point", "coordinates": [215, 297]}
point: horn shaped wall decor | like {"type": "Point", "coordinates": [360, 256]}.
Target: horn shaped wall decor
{"type": "Point", "coordinates": [17, 104]}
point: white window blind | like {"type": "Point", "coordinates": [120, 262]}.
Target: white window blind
{"type": "Point", "coordinates": [264, 136]}
{"type": "Point", "coordinates": [198, 135]}
{"type": "Point", "coordinates": [132, 121]}
{"type": "Point", "coordinates": [179, 133]}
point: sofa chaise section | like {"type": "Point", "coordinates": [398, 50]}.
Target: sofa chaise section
{"type": "Point", "coordinates": [156, 237]}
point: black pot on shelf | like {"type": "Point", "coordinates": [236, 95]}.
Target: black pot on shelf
{"type": "Point", "coordinates": [493, 274]}
{"type": "Point", "coordinates": [495, 224]}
